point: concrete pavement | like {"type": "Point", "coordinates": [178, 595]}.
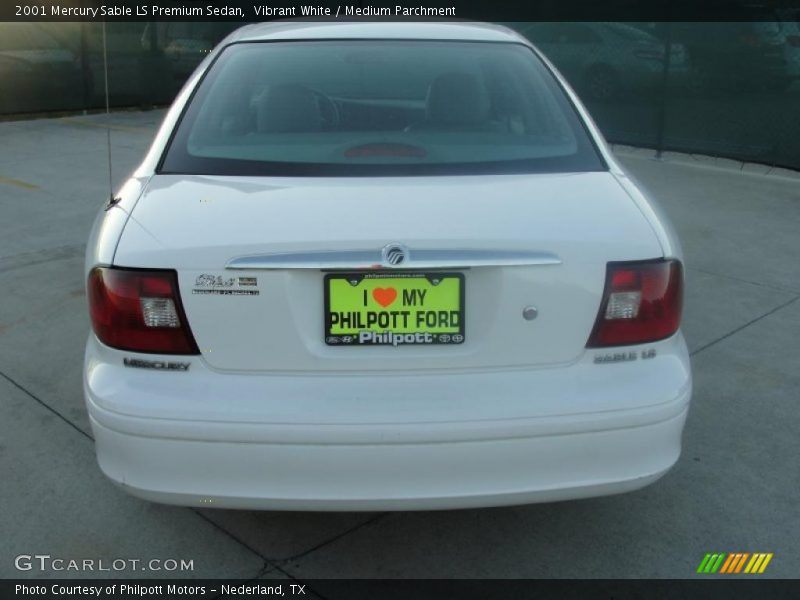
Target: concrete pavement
{"type": "Point", "coordinates": [734, 489]}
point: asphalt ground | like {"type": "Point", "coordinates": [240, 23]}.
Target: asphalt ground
{"type": "Point", "coordinates": [735, 488]}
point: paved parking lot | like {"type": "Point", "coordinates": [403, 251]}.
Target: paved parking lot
{"type": "Point", "coordinates": [734, 489]}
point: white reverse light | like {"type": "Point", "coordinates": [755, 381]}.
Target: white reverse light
{"type": "Point", "coordinates": [623, 305]}
{"type": "Point", "coordinates": [159, 312]}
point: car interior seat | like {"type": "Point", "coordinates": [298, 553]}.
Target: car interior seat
{"type": "Point", "coordinates": [456, 100]}
{"type": "Point", "coordinates": [288, 107]}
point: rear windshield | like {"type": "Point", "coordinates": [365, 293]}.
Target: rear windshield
{"type": "Point", "coordinates": [379, 108]}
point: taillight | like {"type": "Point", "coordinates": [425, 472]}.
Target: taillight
{"type": "Point", "coordinates": [642, 303]}
{"type": "Point", "coordinates": [139, 310]}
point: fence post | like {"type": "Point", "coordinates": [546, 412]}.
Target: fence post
{"type": "Point", "coordinates": [662, 109]}
{"type": "Point", "coordinates": [86, 70]}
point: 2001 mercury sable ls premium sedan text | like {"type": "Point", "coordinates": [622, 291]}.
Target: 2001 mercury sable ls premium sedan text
{"type": "Point", "coordinates": [382, 265]}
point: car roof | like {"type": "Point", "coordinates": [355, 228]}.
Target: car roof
{"type": "Point", "coordinates": [301, 29]}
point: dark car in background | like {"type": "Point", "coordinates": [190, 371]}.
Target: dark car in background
{"type": "Point", "coordinates": [62, 66]}
{"type": "Point", "coordinates": [148, 62]}
{"type": "Point", "coordinates": [603, 61]}
{"type": "Point", "coordinates": [37, 70]}
{"type": "Point", "coordinates": [751, 55]}
{"type": "Point", "coordinates": [790, 26]}
{"type": "Point", "coordinates": [183, 44]}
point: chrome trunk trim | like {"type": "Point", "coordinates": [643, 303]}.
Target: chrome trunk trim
{"type": "Point", "coordinates": [372, 259]}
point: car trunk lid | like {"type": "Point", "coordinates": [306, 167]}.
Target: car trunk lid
{"type": "Point", "coordinates": [252, 255]}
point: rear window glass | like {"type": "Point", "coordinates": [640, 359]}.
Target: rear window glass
{"type": "Point", "coordinates": [379, 108]}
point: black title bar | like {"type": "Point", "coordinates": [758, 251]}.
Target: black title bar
{"type": "Point", "coordinates": [729, 587]}
{"type": "Point", "coordinates": [245, 11]}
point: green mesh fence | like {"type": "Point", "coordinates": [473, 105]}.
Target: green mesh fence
{"type": "Point", "coordinates": [725, 89]}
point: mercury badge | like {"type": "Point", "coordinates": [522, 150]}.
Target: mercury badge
{"type": "Point", "coordinates": [394, 255]}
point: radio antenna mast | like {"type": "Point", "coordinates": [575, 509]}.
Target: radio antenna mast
{"type": "Point", "coordinates": [108, 117]}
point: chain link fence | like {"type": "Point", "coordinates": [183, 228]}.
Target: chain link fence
{"type": "Point", "coordinates": [724, 89]}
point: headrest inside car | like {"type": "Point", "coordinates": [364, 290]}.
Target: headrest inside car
{"type": "Point", "coordinates": [457, 98]}
{"type": "Point", "coordinates": [289, 107]}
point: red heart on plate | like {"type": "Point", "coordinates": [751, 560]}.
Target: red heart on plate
{"type": "Point", "coordinates": [384, 296]}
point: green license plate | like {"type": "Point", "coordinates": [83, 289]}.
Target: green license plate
{"type": "Point", "coordinates": [393, 309]}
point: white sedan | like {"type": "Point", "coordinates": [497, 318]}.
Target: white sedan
{"type": "Point", "coordinates": [382, 266]}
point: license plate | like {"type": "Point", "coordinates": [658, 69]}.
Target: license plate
{"type": "Point", "coordinates": [394, 309]}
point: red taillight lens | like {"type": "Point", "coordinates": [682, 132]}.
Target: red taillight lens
{"type": "Point", "coordinates": [139, 311]}
{"type": "Point", "coordinates": [642, 302]}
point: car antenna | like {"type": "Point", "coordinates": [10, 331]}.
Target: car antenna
{"type": "Point", "coordinates": [111, 199]}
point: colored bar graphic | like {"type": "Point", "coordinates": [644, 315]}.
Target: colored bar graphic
{"type": "Point", "coordinates": [740, 564]}
{"type": "Point", "coordinates": [755, 561]}
{"type": "Point", "coordinates": [726, 567]}
{"type": "Point", "coordinates": [711, 562]}
{"type": "Point", "coordinates": [717, 563]}
{"type": "Point", "coordinates": [734, 562]}
{"type": "Point", "coordinates": [764, 564]}
{"type": "Point", "coordinates": [704, 563]}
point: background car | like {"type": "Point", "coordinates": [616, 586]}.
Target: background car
{"type": "Point", "coordinates": [604, 60]}
{"type": "Point", "coordinates": [183, 44]}
{"type": "Point", "coordinates": [790, 27]}
{"type": "Point", "coordinates": [750, 54]}
{"type": "Point", "coordinates": [37, 70]}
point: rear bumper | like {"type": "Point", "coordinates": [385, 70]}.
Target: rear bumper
{"type": "Point", "coordinates": [389, 476]}
{"type": "Point", "coordinates": [392, 462]}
